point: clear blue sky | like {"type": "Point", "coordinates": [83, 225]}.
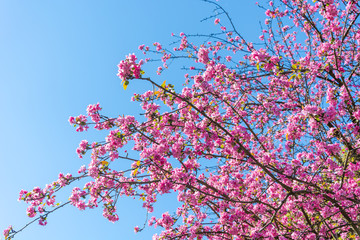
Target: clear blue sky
{"type": "Point", "coordinates": [56, 57]}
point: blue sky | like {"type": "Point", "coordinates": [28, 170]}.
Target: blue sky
{"type": "Point", "coordinates": [56, 58]}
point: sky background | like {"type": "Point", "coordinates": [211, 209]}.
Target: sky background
{"type": "Point", "coordinates": [57, 57]}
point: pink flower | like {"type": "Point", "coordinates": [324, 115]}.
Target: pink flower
{"type": "Point", "coordinates": [203, 55]}
{"type": "Point", "coordinates": [80, 121]}
{"type": "Point", "coordinates": [42, 221]}
{"type": "Point", "coordinates": [72, 120]}
{"type": "Point", "coordinates": [158, 46]}
{"type": "Point", "coordinates": [331, 12]}
{"type": "Point", "coordinates": [93, 112]}
{"type": "Point", "coordinates": [259, 55]}
{"type": "Point", "coordinates": [285, 28]}
{"type": "Point", "coordinates": [129, 69]}
{"type": "Point", "coordinates": [30, 211]}
{"type": "Point", "coordinates": [22, 194]}
{"type": "Point", "coordinates": [82, 169]}
{"type": "Point", "coordinates": [356, 114]}
{"type": "Point", "coordinates": [217, 20]}
{"type": "Point", "coordinates": [82, 148]}
{"type": "Point", "coordinates": [7, 231]}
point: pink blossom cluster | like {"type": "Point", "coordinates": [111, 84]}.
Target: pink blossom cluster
{"type": "Point", "coordinates": [93, 112]}
{"type": "Point", "coordinates": [330, 12]}
{"type": "Point", "coordinates": [166, 221]}
{"type": "Point", "coordinates": [158, 46]}
{"type": "Point", "coordinates": [76, 198]}
{"type": "Point", "coordinates": [42, 221]}
{"type": "Point", "coordinates": [129, 69]}
{"type": "Point", "coordinates": [203, 55]}
{"type": "Point", "coordinates": [184, 43]}
{"type": "Point", "coordinates": [261, 56]}
{"type": "Point", "coordinates": [64, 180]}
{"type": "Point", "coordinates": [7, 231]}
{"type": "Point", "coordinates": [80, 122]}
{"type": "Point", "coordinates": [110, 214]}
{"type": "Point", "coordinates": [40, 198]}
{"type": "Point", "coordinates": [83, 146]}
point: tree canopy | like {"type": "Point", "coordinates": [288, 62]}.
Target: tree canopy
{"type": "Point", "coordinates": [259, 141]}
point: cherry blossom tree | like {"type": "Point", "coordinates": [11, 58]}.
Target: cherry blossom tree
{"type": "Point", "coordinates": [261, 140]}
